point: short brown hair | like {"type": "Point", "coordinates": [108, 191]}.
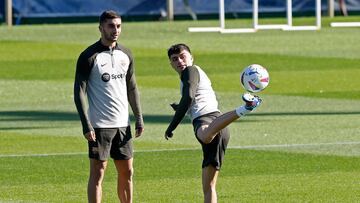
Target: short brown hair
{"type": "Point", "coordinates": [109, 14]}
{"type": "Point", "coordinates": [177, 48]}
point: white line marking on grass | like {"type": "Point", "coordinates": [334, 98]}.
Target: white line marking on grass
{"type": "Point", "coordinates": [293, 145]}
{"type": "Point", "coordinates": [188, 149]}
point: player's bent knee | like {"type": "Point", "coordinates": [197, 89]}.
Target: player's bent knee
{"type": "Point", "coordinates": [203, 135]}
{"type": "Point", "coordinates": [205, 138]}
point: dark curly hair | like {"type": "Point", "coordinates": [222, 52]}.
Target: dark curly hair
{"type": "Point", "coordinates": [177, 48]}
{"type": "Point", "coordinates": [109, 14]}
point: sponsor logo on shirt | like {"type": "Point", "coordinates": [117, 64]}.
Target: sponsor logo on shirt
{"type": "Point", "coordinates": [106, 76]}
{"type": "Point", "coordinates": [117, 76]}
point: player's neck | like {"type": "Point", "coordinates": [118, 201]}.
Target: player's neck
{"type": "Point", "coordinates": [107, 43]}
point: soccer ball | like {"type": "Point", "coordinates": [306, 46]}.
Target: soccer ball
{"type": "Point", "coordinates": [254, 78]}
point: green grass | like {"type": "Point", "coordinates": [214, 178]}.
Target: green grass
{"type": "Point", "coordinates": [301, 145]}
{"type": "Point", "coordinates": [249, 176]}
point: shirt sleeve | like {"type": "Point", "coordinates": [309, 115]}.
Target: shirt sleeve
{"type": "Point", "coordinates": [82, 73]}
{"type": "Point", "coordinates": [190, 79]}
{"type": "Point", "coordinates": [133, 96]}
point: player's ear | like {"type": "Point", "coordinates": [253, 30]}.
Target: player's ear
{"type": "Point", "coordinates": [100, 28]}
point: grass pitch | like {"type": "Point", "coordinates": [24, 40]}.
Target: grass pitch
{"type": "Point", "coordinates": [301, 145]}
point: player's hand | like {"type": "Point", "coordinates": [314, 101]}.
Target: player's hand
{"type": "Point", "coordinates": [174, 106]}
{"type": "Point", "coordinates": [139, 131]}
{"type": "Point", "coordinates": [168, 135]}
{"type": "Point", "coordinates": [90, 136]}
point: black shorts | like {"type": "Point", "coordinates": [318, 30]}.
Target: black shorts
{"type": "Point", "coordinates": [214, 152]}
{"type": "Point", "coordinates": [114, 141]}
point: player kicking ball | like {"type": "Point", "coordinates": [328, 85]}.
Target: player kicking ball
{"type": "Point", "coordinates": [199, 100]}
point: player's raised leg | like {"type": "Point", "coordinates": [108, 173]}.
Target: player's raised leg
{"type": "Point", "coordinates": [206, 133]}
{"type": "Point", "coordinates": [97, 171]}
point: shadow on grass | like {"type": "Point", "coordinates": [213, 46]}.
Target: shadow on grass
{"type": "Point", "coordinates": [25, 128]}
{"type": "Point", "coordinates": [68, 116]}
{"type": "Point", "coordinates": [37, 116]}
{"type": "Point", "coordinates": [73, 116]}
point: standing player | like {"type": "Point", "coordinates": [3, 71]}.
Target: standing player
{"type": "Point", "coordinates": [105, 82]}
{"type": "Point", "coordinates": [199, 100]}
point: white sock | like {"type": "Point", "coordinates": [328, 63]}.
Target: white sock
{"type": "Point", "coordinates": [241, 111]}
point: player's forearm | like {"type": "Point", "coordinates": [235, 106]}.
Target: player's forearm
{"type": "Point", "coordinates": [80, 103]}
{"type": "Point", "coordinates": [179, 113]}
{"type": "Point", "coordinates": [134, 101]}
